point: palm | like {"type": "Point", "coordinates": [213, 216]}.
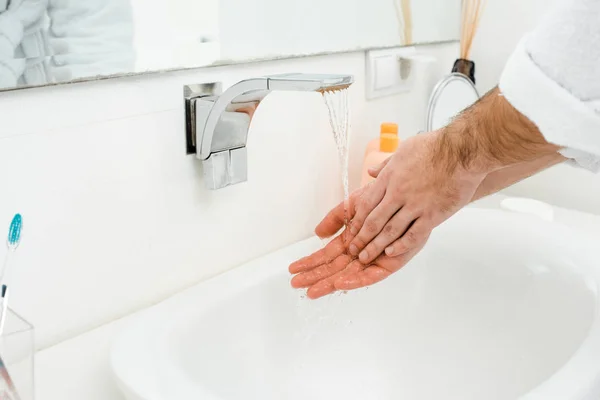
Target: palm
{"type": "Point", "coordinates": [332, 268]}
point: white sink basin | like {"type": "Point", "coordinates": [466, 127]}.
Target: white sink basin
{"type": "Point", "coordinates": [497, 306]}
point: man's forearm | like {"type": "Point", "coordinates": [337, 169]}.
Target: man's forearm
{"type": "Point", "coordinates": [494, 138]}
{"type": "Point", "coordinates": [508, 176]}
{"type": "Point", "coordinates": [491, 135]}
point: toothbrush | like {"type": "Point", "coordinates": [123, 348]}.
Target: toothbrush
{"type": "Point", "coordinates": [12, 242]}
{"type": "Point", "coordinates": [4, 296]}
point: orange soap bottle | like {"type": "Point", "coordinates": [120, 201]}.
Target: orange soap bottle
{"type": "Point", "coordinates": [380, 149]}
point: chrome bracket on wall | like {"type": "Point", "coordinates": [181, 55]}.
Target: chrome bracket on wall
{"type": "Point", "coordinates": [190, 94]}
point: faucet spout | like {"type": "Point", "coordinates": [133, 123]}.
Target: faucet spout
{"type": "Point", "coordinates": [222, 122]}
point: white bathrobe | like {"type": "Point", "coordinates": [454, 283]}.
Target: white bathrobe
{"type": "Point", "coordinates": [553, 78]}
{"type": "Point", "coordinates": [47, 41]}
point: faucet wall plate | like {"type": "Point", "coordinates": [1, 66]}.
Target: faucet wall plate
{"type": "Point", "coordinates": [190, 94]}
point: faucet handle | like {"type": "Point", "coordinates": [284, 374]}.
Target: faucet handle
{"type": "Point", "coordinates": [225, 168]}
{"type": "Point", "coordinates": [226, 164]}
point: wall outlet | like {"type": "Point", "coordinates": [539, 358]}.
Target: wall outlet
{"type": "Point", "coordinates": [390, 71]}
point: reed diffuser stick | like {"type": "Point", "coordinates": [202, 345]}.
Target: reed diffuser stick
{"type": "Point", "coordinates": [405, 22]}
{"type": "Point", "coordinates": [408, 23]}
{"type": "Point", "coordinates": [470, 16]}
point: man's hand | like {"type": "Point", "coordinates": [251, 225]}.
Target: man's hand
{"type": "Point", "coordinates": [416, 191]}
{"type": "Point", "coordinates": [332, 268]}
{"type": "Point", "coordinates": [431, 176]}
{"type": "Point", "coordinates": [412, 195]}
{"type": "Point", "coordinates": [502, 178]}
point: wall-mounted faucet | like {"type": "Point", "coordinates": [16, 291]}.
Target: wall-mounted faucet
{"type": "Point", "coordinates": [217, 124]}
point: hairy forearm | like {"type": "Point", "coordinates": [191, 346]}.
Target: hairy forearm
{"type": "Point", "coordinates": [491, 135]}
{"type": "Point", "coordinates": [507, 176]}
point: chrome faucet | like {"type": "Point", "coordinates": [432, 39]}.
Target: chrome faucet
{"type": "Point", "coordinates": [217, 126]}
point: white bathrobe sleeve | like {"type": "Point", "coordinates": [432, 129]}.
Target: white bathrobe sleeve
{"type": "Point", "coordinates": [553, 78]}
{"type": "Point", "coordinates": [91, 37]}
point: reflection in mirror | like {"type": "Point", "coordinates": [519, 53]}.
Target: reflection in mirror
{"type": "Point", "coordinates": [54, 41]}
{"type": "Point", "coordinates": [61, 40]}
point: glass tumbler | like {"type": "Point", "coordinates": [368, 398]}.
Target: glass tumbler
{"type": "Point", "coordinates": [17, 349]}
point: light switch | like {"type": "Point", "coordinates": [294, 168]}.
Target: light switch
{"type": "Point", "coordinates": [388, 72]}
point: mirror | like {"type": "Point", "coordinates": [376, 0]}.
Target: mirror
{"type": "Point", "coordinates": [57, 41]}
{"type": "Point", "coordinates": [450, 96]}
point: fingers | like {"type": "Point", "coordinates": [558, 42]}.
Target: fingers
{"type": "Point", "coordinates": [374, 171]}
{"type": "Point", "coordinates": [384, 267]}
{"type": "Point", "coordinates": [320, 289]}
{"type": "Point", "coordinates": [332, 223]}
{"type": "Point", "coordinates": [336, 218]}
{"type": "Point", "coordinates": [393, 230]}
{"type": "Point", "coordinates": [326, 286]}
{"type": "Point", "coordinates": [356, 275]}
{"type": "Point", "coordinates": [309, 278]}
{"type": "Point", "coordinates": [366, 277]}
{"type": "Point", "coordinates": [368, 200]}
{"type": "Point", "coordinates": [414, 238]}
{"type": "Point", "coordinates": [322, 256]}
{"type": "Point", "coordinates": [372, 226]}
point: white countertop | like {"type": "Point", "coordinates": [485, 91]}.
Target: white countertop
{"type": "Point", "coordinates": [78, 369]}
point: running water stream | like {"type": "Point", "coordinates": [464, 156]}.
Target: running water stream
{"type": "Point", "coordinates": [339, 118]}
{"type": "Point", "coordinates": [320, 317]}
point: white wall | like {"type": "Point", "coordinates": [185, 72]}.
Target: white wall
{"type": "Point", "coordinates": [503, 24]}
{"type": "Point", "coordinates": [116, 216]}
